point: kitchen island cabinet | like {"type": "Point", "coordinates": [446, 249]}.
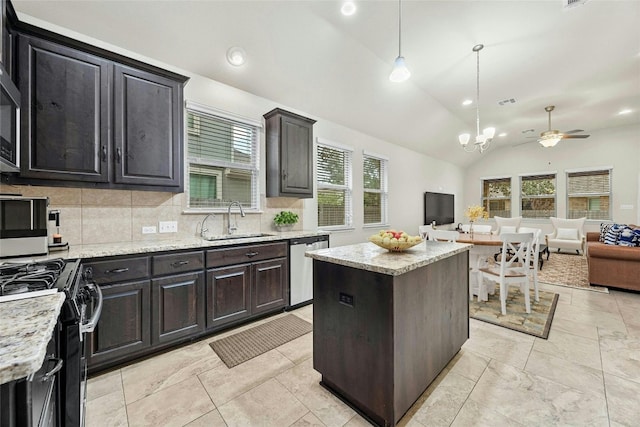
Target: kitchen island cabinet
{"type": "Point", "coordinates": [385, 324]}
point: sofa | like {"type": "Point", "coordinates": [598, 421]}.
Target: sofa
{"type": "Point", "coordinates": [613, 265]}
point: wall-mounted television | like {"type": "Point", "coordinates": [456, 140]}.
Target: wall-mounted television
{"type": "Point", "coordinates": [438, 207]}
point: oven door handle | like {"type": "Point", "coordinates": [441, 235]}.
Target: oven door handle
{"type": "Point", "coordinates": [46, 377]}
{"type": "Point", "coordinates": [91, 324]}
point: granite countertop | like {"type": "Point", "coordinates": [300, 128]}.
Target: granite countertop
{"type": "Point", "coordinates": [146, 246]}
{"type": "Point", "coordinates": [26, 326]}
{"type": "Point", "coordinates": [367, 256]}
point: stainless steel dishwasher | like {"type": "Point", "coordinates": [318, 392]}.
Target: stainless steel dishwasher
{"type": "Point", "coordinates": [301, 268]}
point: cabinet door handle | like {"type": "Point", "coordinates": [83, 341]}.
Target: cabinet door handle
{"type": "Point", "coordinates": [104, 153]}
{"type": "Point", "coordinates": [251, 254]}
{"type": "Point", "coordinates": [118, 154]}
{"type": "Point", "coordinates": [117, 270]}
{"type": "Point", "coordinates": [284, 174]}
{"type": "Point", "coordinates": [179, 263]}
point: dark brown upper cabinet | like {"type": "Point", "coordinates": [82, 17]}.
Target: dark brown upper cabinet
{"type": "Point", "coordinates": [289, 142]}
{"type": "Point", "coordinates": [148, 131]}
{"type": "Point", "coordinates": [65, 112]}
{"type": "Point", "coordinates": [96, 119]}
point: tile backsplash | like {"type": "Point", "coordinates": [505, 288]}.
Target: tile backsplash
{"type": "Point", "coordinates": [90, 216]}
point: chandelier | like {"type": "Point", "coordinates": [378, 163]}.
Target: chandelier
{"type": "Point", "coordinates": [482, 139]}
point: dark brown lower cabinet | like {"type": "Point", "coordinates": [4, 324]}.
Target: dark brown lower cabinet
{"type": "Point", "coordinates": [125, 323]}
{"type": "Point", "coordinates": [155, 301]}
{"type": "Point", "coordinates": [178, 307]}
{"type": "Point", "coordinates": [269, 290]}
{"type": "Point", "coordinates": [228, 294]}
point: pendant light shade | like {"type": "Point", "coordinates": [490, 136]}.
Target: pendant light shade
{"type": "Point", "coordinates": [400, 72]}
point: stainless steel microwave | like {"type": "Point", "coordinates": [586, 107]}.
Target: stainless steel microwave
{"type": "Point", "coordinates": [23, 226]}
{"type": "Point", "coordinates": [9, 124]}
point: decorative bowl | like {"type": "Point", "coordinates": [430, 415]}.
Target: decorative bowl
{"type": "Point", "coordinates": [393, 245]}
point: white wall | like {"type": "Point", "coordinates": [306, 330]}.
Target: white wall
{"type": "Point", "coordinates": [617, 147]}
{"type": "Point", "coordinates": [410, 173]}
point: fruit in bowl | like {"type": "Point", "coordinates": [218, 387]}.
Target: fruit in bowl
{"type": "Point", "coordinates": [394, 241]}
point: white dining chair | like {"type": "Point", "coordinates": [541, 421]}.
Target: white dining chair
{"type": "Point", "coordinates": [535, 255]}
{"type": "Point", "coordinates": [513, 269]}
{"type": "Point", "coordinates": [423, 231]}
{"type": "Point", "coordinates": [443, 235]}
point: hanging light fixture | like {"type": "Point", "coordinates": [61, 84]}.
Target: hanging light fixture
{"type": "Point", "coordinates": [482, 139]}
{"type": "Point", "coordinates": [400, 72]}
{"type": "Point", "coordinates": [550, 137]}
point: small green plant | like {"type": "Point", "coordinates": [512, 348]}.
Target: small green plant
{"type": "Point", "coordinates": [285, 218]}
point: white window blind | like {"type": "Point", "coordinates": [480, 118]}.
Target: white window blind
{"type": "Point", "coordinates": [538, 196]}
{"type": "Point", "coordinates": [223, 161]}
{"type": "Point", "coordinates": [496, 197]}
{"type": "Point", "coordinates": [589, 194]}
{"type": "Point", "coordinates": [334, 186]}
{"type": "Point", "coordinates": [375, 195]}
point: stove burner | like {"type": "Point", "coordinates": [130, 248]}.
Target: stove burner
{"type": "Point", "coordinates": [17, 277]}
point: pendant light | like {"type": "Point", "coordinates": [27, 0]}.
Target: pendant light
{"type": "Point", "coordinates": [400, 72]}
{"type": "Point", "coordinates": [482, 139]}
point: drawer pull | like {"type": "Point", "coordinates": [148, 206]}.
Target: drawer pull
{"type": "Point", "coordinates": [251, 254]}
{"type": "Point", "coordinates": [179, 263]}
{"type": "Point", "coordinates": [117, 270]}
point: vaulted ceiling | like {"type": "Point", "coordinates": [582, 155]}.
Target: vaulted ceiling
{"type": "Point", "coordinates": [308, 56]}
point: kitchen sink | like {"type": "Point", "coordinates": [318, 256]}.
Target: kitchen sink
{"type": "Point", "coordinates": [235, 236]}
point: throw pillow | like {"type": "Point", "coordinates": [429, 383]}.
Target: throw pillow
{"type": "Point", "coordinates": [612, 236]}
{"type": "Point", "coordinates": [604, 228]}
{"type": "Point", "coordinates": [567, 234]}
{"type": "Point", "coordinates": [629, 237]}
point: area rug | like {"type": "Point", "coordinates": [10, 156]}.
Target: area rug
{"type": "Point", "coordinates": [536, 323]}
{"type": "Point", "coordinates": [567, 270]}
{"type": "Point", "coordinates": [238, 348]}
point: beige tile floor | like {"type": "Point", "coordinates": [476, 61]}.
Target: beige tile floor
{"type": "Point", "coordinates": [586, 374]}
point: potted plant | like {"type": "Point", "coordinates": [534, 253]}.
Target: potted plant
{"type": "Point", "coordinates": [285, 220]}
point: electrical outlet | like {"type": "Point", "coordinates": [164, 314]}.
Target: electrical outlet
{"type": "Point", "coordinates": [149, 229]}
{"type": "Point", "coordinates": [168, 226]}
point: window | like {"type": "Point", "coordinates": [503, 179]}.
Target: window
{"type": "Point", "coordinates": [334, 186]}
{"type": "Point", "coordinates": [589, 194]}
{"type": "Point", "coordinates": [374, 170]}
{"type": "Point", "coordinates": [496, 197]}
{"type": "Point", "coordinates": [222, 156]}
{"type": "Point", "coordinates": [538, 196]}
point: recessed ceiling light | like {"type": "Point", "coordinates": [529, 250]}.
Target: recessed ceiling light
{"type": "Point", "coordinates": [467, 102]}
{"type": "Point", "coordinates": [625, 111]}
{"type": "Point", "coordinates": [503, 134]}
{"type": "Point", "coordinates": [348, 8]}
{"type": "Point", "coordinates": [236, 56]}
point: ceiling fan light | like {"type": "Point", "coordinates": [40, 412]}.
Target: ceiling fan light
{"type": "Point", "coordinates": [464, 138]}
{"type": "Point", "coordinates": [549, 141]}
{"type": "Point", "coordinates": [400, 72]}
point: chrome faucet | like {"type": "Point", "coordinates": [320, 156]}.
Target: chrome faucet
{"type": "Point", "coordinates": [202, 225]}
{"type": "Point", "coordinates": [234, 227]}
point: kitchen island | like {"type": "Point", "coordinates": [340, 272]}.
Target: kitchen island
{"type": "Point", "coordinates": [385, 324]}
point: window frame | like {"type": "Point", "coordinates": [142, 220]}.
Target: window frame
{"type": "Point", "coordinates": [383, 190]}
{"type": "Point", "coordinates": [253, 167]}
{"type": "Point", "coordinates": [521, 197]}
{"type": "Point", "coordinates": [587, 171]}
{"type": "Point", "coordinates": [347, 187]}
{"type": "Point", "coordinates": [485, 201]}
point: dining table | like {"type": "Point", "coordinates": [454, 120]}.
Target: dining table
{"type": "Point", "coordinates": [485, 246]}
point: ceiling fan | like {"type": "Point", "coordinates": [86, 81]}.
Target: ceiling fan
{"type": "Point", "coordinates": [551, 137]}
